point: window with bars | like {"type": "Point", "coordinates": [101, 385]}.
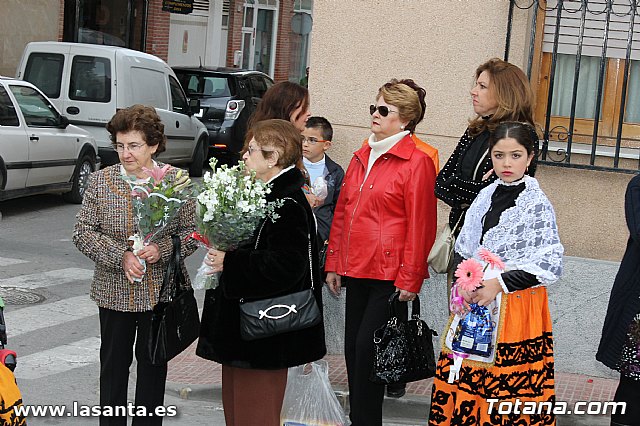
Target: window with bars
{"type": "Point", "coordinates": [586, 74]}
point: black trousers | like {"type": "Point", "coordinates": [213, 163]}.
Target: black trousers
{"type": "Point", "coordinates": [117, 336]}
{"type": "Point", "coordinates": [366, 311]}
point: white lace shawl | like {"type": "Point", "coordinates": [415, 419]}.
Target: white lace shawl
{"type": "Point", "coordinates": [526, 236]}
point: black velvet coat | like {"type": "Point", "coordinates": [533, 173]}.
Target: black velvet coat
{"type": "Point", "coordinates": [624, 302]}
{"type": "Point", "coordinates": [279, 266]}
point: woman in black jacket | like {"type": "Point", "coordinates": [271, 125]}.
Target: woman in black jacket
{"type": "Point", "coordinates": [620, 343]}
{"type": "Point", "coordinates": [501, 93]}
{"type": "Point", "coordinates": [254, 373]}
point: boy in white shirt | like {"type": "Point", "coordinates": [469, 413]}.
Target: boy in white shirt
{"type": "Point", "coordinates": [318, 135]}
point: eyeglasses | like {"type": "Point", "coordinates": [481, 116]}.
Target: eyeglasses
{"type": "Point", "coordinates": [383, 110]}
{"type": "Point", "coordinates": [252, 149]}
{"type": "Point", "coordinates": [132, 147]}
{"type": "Point", "coordinates": [312, 140]}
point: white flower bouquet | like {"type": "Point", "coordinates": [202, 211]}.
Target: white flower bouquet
{"type": "Point", "coordinates": [229, 208]}
{"type": "Point", "coordinates": [156, 202]}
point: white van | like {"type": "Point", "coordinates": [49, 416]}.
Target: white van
{"type": "Point", "coordinates": [88, 82]}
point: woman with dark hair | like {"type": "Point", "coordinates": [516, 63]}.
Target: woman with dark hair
{"type": "Point", "coordinates": [285, 101]}
{"type": "Point", "coordinates": [513, 219]}
{"type": "Point", "coordinates": [501, 93]}
{"type": "Point", "coordinates": [383, 227]}
{"type": "Point", "coordinates": [274, 263]}
{"type": "Point", "coordinates": [105, 223]}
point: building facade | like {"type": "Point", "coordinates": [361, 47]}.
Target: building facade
{"type": "Point", "coordinates": [440, 44]}
{"type": "Point", "coordinates": [268, 35]}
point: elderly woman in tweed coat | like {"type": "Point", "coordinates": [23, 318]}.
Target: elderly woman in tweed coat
{"type": "Point", "coordinates": [105, 223]}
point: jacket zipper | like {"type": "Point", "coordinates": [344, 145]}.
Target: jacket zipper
{"type": "Point", "coordinates": [346, 258]}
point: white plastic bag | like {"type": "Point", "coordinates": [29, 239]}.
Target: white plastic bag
{"type": "Point", "coordinates": [309, 399]}
{"type": "Point", "coordinates": [319, 189]}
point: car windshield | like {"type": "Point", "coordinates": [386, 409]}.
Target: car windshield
{"type": "Point", "coordinates": [204, 85]}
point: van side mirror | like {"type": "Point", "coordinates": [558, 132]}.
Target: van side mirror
{"type": "Point", "coordinates": [194, 106]}
{"type": "Point", "coordinates": [64, 122]}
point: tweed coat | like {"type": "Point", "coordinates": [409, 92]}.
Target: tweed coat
{"type": "Point", "coordinates": [279, 266]}
{"type": "Point", "coordinates": [104, 224]}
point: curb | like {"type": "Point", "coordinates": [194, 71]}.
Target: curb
{"type": "Point", "coordinates": [409, 409]}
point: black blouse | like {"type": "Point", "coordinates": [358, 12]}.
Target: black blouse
{"type": "Point", "coordinates": [503, 198]}
{"type": "Point", "coordinates": [456, 183]}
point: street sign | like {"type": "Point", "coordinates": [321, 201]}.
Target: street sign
{"type": "Point", "coordinates": [301, 23]}
{"type": "Point", "coordinates": [178, 6]}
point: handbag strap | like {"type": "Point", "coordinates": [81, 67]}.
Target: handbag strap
{"type": "Point", "coordinates": [308, 239]}
{"type": "Point", "coordinates": [173, 276]}
{"type": "Point", "coordinates": [395, 299]}
{"type": "Point", "coordinates": [475, 172]}
{"type": "Point", "coordinates": [457, 224]}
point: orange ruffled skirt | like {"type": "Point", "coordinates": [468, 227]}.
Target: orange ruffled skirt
{"type": "Point", "coordinates": [523, 370]}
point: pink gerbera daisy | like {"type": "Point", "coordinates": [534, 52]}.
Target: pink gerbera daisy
{"type": "Point", "coordinates": [492, 259]}
{"type": "Point", "coordinates": [469, 274]}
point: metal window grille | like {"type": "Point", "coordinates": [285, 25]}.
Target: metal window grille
{"type": "Point", "coordinates": [587, 32]}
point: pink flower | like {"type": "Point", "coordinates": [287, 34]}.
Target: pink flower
{"type": "Point", "coordinates": [469, 274]}
{"type": "Point", "coordinates": [491, 259]}
{"type": "Point", "coordinates": [157, 173]}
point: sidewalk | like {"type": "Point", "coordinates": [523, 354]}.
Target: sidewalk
{"type": "Point", "coordinates": [195, 378]}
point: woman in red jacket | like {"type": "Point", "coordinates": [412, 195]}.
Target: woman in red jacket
{"type": "Point", "coordinates": [383, 228]}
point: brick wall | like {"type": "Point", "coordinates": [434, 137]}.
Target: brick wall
{"type": "Point", "coordinates": [283, 46]}
{"type": "Point", "coordinates": [157, 30]}
{"type": "Point", "coordinates": [60, 20]}
{"type": "Point", "coordinates": [234, 36]}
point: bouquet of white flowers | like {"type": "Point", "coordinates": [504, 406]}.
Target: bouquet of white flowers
{"type": "Point", "coordinates": [156, 201]}
{"type": "Point", "coordinates": [229, 208]}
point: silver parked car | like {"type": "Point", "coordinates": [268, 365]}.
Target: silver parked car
{"type": "Point", "coordinates": [40, 151]}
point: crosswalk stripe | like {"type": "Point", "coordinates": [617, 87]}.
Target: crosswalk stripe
{"type": "Point", "coordinates": [7, 261]}
{"type": "Point", "coordinates": [47, 279]}
{"type": "Point", "coordinates": [59, 359]}
{"type": "Point", "coordinates": [44, 315]}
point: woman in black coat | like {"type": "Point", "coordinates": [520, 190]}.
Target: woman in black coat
{"type": "Point", "coordinates": [501, 93]}
{"type": "Point", "coordinates": [254, 373]}
{"type": "Point", "coordinates": [624, 306]}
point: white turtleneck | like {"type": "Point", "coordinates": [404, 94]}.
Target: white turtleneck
{"type": "Point", "coordinates": [380, 147]}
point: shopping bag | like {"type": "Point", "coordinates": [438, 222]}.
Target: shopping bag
{"type": "Point", "coordinates": [309, 399]}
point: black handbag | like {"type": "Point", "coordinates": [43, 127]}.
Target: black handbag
{"type": "Point", "coordinates": [291, 312]}
{"type": "Point", "coordinates": [403, 350]}
{"type": "Point", "coordinates": [174, 323]}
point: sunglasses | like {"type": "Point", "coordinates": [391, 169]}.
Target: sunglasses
{"type": "Point", "coordinates": [383, 110]}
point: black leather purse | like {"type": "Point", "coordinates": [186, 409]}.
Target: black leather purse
{"type": "Point", "coordinates": [403, 350]}
{"type": "Point", "coordinates": [291, 312]}
{"type": "Point", "coordinates": [175, 323]}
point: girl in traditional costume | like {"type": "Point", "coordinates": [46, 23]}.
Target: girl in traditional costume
{"type": "Point", "coordinates": [513, 219]}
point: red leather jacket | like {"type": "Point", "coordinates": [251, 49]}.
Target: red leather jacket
{"type": "Point", "coordinates": [384, 227]}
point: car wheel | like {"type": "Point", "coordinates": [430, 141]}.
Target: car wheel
{"type": "Point", "coordinates": [196, 168]}
{"type": "Point", "coordinates": [80, 180]}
